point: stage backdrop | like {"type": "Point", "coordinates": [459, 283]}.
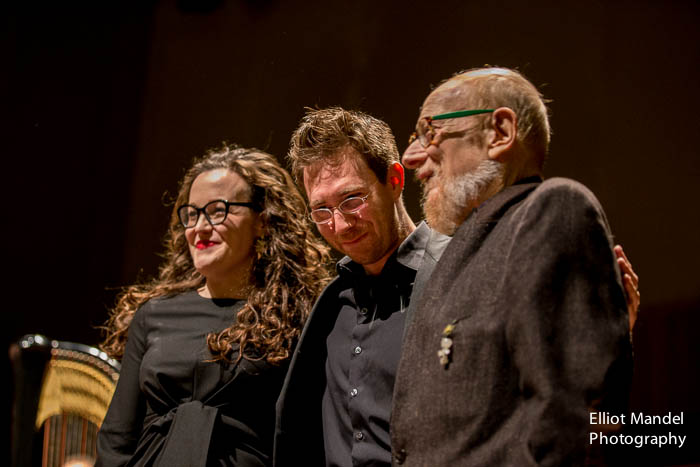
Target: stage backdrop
{"type": "Point", "coordinates": [106, 106]}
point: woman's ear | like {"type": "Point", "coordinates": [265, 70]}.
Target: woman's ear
{"type": "Point", "coordinates": [259, 226]}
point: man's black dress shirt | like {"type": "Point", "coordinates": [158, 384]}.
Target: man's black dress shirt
{"type": "Point", "coordinates": [364, 347]}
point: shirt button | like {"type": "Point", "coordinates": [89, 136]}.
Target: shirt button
{"type": "Point", "coordinates": [359, 436]}
{"type": "Point", "coordinates": [353, 392]}
{"type": "Point", "coordinates": [358, 349]}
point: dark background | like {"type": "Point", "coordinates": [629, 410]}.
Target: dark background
{"type": "Point", "coordinates": [104, 108]}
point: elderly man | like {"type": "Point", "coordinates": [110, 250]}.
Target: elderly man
{"type": "Point", "coordinates": [522, 328]}
{"type": "Point", "coordinates": [336, 403]}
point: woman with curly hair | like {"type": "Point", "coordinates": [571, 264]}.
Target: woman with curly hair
{"type": "Point", "coordinates": [205, 345]}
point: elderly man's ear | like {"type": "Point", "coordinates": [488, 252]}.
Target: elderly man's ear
{"type": "Point", "coordinates": [500, 138]}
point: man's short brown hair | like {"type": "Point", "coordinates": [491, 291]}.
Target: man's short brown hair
{"type": "Point", "coordinates": [323, 133]}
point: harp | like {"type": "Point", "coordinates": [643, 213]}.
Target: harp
{"type": "Point", "coordinates": [61, 394]}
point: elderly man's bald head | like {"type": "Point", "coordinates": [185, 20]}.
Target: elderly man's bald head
{"type": "Point", "coordinates": [494, 87]}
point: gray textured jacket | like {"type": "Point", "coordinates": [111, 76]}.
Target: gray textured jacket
{"type": "Point", "coordinates": [539, 336]}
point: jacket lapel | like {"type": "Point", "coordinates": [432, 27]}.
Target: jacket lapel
{"type": "Point", "coordinates": [469, 238]}
{"type": "Point", "coordinates": [433, 250]}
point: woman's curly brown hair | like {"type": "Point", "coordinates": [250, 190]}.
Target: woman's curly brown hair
{"type": "Point", "coordinates": [289, 268]}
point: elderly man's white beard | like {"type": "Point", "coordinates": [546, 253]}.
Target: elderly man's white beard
{"type": "Point", "coordinates": [449, 205]}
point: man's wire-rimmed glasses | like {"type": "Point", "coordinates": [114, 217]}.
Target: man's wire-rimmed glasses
{"type": "Point", "coordinates": [214, 211]}
{"type": "Point", "coordinates": [425, 132]}
{"type": "Point", "coordinates": [349, 206]}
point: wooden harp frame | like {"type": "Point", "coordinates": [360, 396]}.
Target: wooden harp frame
{"type": "Point", "coordinates": [62, 392]}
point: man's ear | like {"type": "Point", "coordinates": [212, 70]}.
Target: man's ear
{"type": "Point", "coordinates": [501, 137]}
{"type": "Point", "coordinates": [395, 176]}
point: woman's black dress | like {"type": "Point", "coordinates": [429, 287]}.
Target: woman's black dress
{"type": "Point", "coordinates": [172, 407]}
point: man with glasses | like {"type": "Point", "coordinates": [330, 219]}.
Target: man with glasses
{"type": "Point", "coordinates": [337, 401]}
{"type": "Point", "coordinates": [522, 329]}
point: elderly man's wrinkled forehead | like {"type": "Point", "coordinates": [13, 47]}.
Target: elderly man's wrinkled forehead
{"type": "Point", "coordinates": [451, 95]}
{"type": "Point", "coordinates": [457, 92]}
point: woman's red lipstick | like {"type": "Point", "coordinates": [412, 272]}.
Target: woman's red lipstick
{"type": "Point", "coordinates": [202, 244]}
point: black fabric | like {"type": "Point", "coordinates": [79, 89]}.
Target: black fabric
{"type": "Point", "coordinates": [299, 419]}
{"type": "Point", "coordinates": [172, 407]}
{"type": "Point", "coordinates": [364, 347]}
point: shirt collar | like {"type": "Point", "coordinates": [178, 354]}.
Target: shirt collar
{"type": "Point", "coordinates": [408, 254]}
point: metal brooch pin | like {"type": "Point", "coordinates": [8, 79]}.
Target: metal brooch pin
{"type": "Point", "coordinates": [445, 352]}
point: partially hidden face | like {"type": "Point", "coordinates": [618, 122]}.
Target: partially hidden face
{"type": "Point", "coordinates": [446, 168]}
{"type": "Point", "coordinates": [227, 249]}
{"type": "Point", "coordinates": [369, 235]}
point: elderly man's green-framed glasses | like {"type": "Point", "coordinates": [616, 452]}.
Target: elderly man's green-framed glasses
{"type": "Point", "coordinates": [424, 129]}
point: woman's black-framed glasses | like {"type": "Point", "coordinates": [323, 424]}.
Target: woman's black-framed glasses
{"type": "Point", "coordinates": [348, 206]}
{"type": "Point", "coordinates": [424, 129]}
{"type": "Point", "coordinates": [214, 211]}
